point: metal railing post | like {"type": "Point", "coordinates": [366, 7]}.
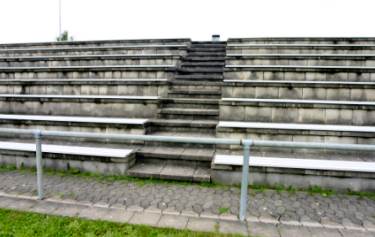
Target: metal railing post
{"type": "Point", "coordinates": [39, 166]}
{"type": "Point", "coordinates": [245, 179]}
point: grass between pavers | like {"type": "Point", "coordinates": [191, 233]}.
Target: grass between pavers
{"type": "Point", "coordinates": [313, 190]}
{"type": "Point", "coordinates": [16, 223]}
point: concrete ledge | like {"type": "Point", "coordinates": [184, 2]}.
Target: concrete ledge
{"type": "Point", "coordinates": [88, 57]}
{"type": "Point", "coordinates": [302, 173]}
{"type": "Point", "coordinates": [298, 111]}
{"type": "Point", "coordinates": [87, 105]}
{"type": "Point", "coordinates": [303, 128]}
{"type": "Point", "coordinates": [88, 68]}
{"type": "Point", "coordinates": [88, 81]}
{"type": "Point", "coordinates": [306, 90]}
{"type": "Point", "coordinates": [321, 40]}
{"type": "Point", "coordinates": [67, 48]}
{"type": "Point", "coordinates": [291, 163]}
{"type": "Point", "coordinates": [295, 83]}
{"type": "Point", "coordinates": [301, 56]}
{"type": "Point", "coordinates": [299, 103]}
{"type": "Point", "coordinates": [88, 159]}
{"type": "Point", "coordinates": [302, 46]}
{"type": "Point", "coordinates": [80, 97]}
{"type": "Point", "coordinates": [183, 41]}
{"type": "Point", "coordinates": [299, 68]}
{"type": "Point", "coordinates": [117, 87]}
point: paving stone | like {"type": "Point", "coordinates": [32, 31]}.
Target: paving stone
{"type": "Point", "coordinates": [202, 224]}
{"type": "Point", "coordinates": [93, 213]}
{"type": "Point", "coordinates": [117, 215]}
{"type": "Point", "coordinates": [324, 232]}
{"type": "Point", "coordinates": [145, 218]}
{"type": "Point", "coordinates": [263, 230]}
{"type": "Point", "coordinates": [233, 227]}
{"type": "Point", "coordinates": [68, 210]}
{"type": "Point", "coordinates": [294, 231]}
{"type": "Point", "coordinates": [21, 204]}
{"type": "Point", "coordinates": [356, 233]}
{"type": "Point", "coordinates": [44, 207]}
{"type": "Point", "coordinates": [173, 221]}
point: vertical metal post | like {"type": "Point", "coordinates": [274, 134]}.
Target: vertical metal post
{"type": "Point", "coordinates": [245, 179]}
{"type": "Point", "coordinates": [39, 166]}
{"type": "Point", "coordinates": [59, 18]}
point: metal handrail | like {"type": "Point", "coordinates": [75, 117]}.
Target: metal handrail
{"type": "Point", "coordinates": [245, 143]}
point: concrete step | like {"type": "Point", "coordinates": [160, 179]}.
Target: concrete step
{"type": "Point", "coordinates": [203, 59]}
{"type": "Point", "coordinates": [182, 125]}
{"type": "Point", "coordinates": [200, 49]}
{"type": "Point", "coordinates": [212, 94]}
{"type": "Point", "coordinates": [176, 153]}
{"type": "Point", "coordinates": [303, 40]}
{"type": "Point", "coordinates": [301, 59]}
{"type": "Point", "coordinates": [205, 70]}
{"type": "Point", "coordinates": [337, 174]}
{"type": "Point", "coordinates": [200, 77]}
{"type": "Point", "coordinates": [170, 171]}
{"type": "Point", "coordinates": [63, 157]}
{"type": "Point", "coordinates": [88, 86]}
{"type": "Point", "coordinates": [189, 113]}
{"type": "Point", "coordinates": [298, 111]}
{"type": "Point", "coordinates": [202, 64]}
{"type": "Point", "coordinates": [95, 43]}
{"type": "Point", "coordinates": [310, 90]}
{"type": "Point", "coordinates": [78, 105]}
{"type": "Point", "coordinates": [194, 86]}
{"type": "Point", "coordinates": [300, 49]}
{"type": "Point", "coordinates": [206, 54]}
{"type": "Point", "coordinates": [187, 134]}
{"type": "Point", "coordinates": [84, 60]}
{"type": "Point", "coordinates": [74, 123]}
{"type": "Point", "coordinates": [295, 72]}
{"type": "Point", "coordinates": [189, 103]}
{"type": "Point", "coordinates": [70, 72]}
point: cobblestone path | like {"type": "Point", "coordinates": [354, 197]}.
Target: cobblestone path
{"type": "Point", "coordinates": [268, 206]}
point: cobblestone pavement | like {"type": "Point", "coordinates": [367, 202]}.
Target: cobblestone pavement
{"type": "Point", "coordinates": [270, 207]}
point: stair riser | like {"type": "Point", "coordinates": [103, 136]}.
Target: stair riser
{"type": "Point", "coordinates": [193, 161]}
{"type": "Point", "coordinates": [194, 87]}
{"type": "Point", "coordinates": [180, 145]}
{"type": "Point", "coordinates": [189, 117]}
{"type": "Point", "coordinates": [190, 105]}
{"type": "Point", "coordinates": [195, 96]}
{"type": "Point", "coordinates": [186, 171]}
{"type": "Point", "coordinates": [208, 131]}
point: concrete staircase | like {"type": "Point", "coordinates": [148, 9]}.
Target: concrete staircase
{"type": "Point", "coordinates": [190, 109]}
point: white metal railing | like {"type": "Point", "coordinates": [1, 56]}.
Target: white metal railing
{"type": "Point", "coordinates": [245, 143]}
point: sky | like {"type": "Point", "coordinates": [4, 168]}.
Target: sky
{"type": "Point", "coordinates": [38, 20]}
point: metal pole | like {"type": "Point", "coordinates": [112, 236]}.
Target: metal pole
{"type": "Point", "coordinates": [59, 18]}
{"type": "Point", "coordinates": [245, 180]}
{"type": "Point", "coordinates": [39, 167]}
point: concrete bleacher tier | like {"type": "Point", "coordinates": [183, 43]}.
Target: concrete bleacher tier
{"type": "Point", "coordinates": [293, 89]}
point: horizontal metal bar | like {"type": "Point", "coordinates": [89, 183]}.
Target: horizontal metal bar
{"type": "Point", "coordinates": [313, 145]}
{"type": "Point", "coordinates": [112, 136]}
{"type": "Point", "coordinates": [195, 140]}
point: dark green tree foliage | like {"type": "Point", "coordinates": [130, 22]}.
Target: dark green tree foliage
{"type": "Point", "coordinates": [64, 37]}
